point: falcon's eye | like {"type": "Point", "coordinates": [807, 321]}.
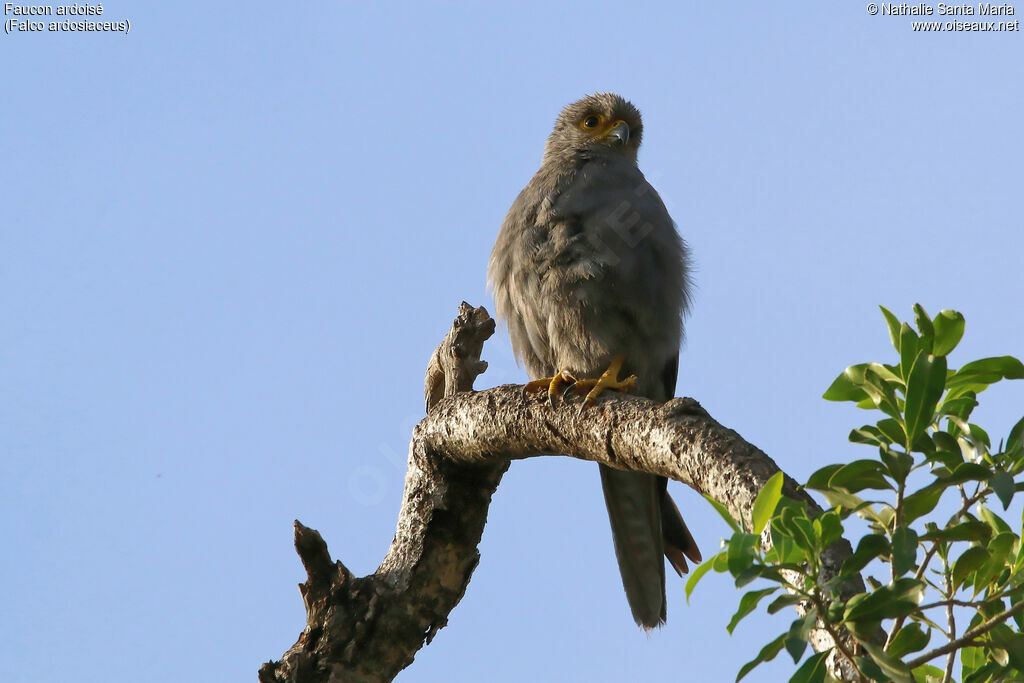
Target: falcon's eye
{"type": "Point", "coordinates": [592, 122]}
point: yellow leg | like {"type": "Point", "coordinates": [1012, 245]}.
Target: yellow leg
{"type": "Point", "coordinates": [609, 379]}
{"type": "Point", "coordinates": [554, 385]}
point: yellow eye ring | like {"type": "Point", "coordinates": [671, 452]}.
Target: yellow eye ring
{"type": "Point", "coordinates": [591, 122]}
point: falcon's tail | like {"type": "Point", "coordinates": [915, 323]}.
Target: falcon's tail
{"type": "Point", "coordinates": [679, 543]}
{"type": "Point", "coordinates": [633, 502]}
{"type": "Point", "coordinates": [646, 526]}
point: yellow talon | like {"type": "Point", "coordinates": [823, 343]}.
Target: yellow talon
{"type": "Point", "coordinates": [552, 384]}
{"type": "Point", "coordinates": [607, 380]}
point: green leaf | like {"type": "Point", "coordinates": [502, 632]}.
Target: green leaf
{"type": "Point", "coordinates": [784, 601]}
{"type": "Point", "coordinates": [804, 534]}
{"type": "Point", "coordinates": [747, 604]}
{"type": "Point", "coordinates": [828, 528]}
{"type": "Point", "coordinates": [869, 435]}
{"type": "Point", "coordinates": [922, 502]}
{"type": "Point", "coordinates": [968, 562]}
{"type": "Point", "coordinates": [947, 449]}
{"type": "Point", "coordinates": [888, 602]}
{"type": "Point", "coordinates": [898, 464]}
{"type": "Point", "coordinates": [999, 549]}
{"type": "Point", "coordinates": [759, 572]}
{"type": "Point", "coordinates": [967, 531]}
{"type": "Point", "coordinates": [1002, 484]}
{"type": "Point", "coordinates": [794, 521]}
{"type": "Point", "coordinates": [991, 608]}
{"type": "Point", "coordinates": [863, 509]}
{"type": "Point", "coordinates": [813, 670]}
{"type": "Point", "coordinates": [908, 589]}
{"type": "Point", "coordinates": [767, 499]}
{"type": "Point", "coordinates": [926, 673]}
{"type": "Point", "coordinates": [961, 407]}
{"type": "Point", "coordinates": [861, 382]}
{"type": "Point", "coordinates": [1013, 643]}
{"type": "Point", "coordinates": [847, 386]}
{"type": "Point", "coordinates": [869, 547]}
{"type": "Point", "coordinates": [955, 426]}
{"type": "Point", "coordinates": [972, 659]}
{"type": "Point", "coordinates": [697, 575]}
{"type": "Point", "coordinates": [834, 613]}
{"type": "Point", "coordinates": [892, 429]}
{"type": "Point", "coordinates": [924, 325]}
{"type": "Point", "coordinates": [968, 471]}
{"type": "Point", "coordinates": [723, 512]}
{"type": "Point", "coordinates": [991, 672]}
{"type": "Point", "coordinates": [978, 375]}
{"type": "Point", "coordinates": [884, 373]}
{"type": "Point", "coordinates": [799, 630]}
{"type": "Point", "coordinates": [904, 550]}
{"type": "Point", "coordinates": [979, 435]}
{"type": "Point", "coordinates": [909, 346]}
{"type": "Point", "coordinates": [868, 667]}
{"type": "Point", "coordinates": [859, 475]}
{"type": "Point", "coordinates": [782, 543]}
{"type": "Point", "coordinates": [881, 390]}
{"type": "Point", "coordinates": [924, 388]}
{"type": "Point", "coordinates": [893, 323]}
{"type": "Point", "coordinates": [924, 443]}
{"type": "Point", "coordinates": [998, 524]}
{"type": "Point", "coordinates": [741, 552]}
{"type": "Point", "coordinates": [910, 638]}
{"type": "Point", "coordinates": [1016, 437]}
{"type": "Point", "coordinates": [819, 480]}
{"type": "Point", "coordinates": [767, 654]}
{"type": "Point", "coordinates": [864, 629]}
{"type": "Point", "coordinates": [892, 668]}
{"type": "Point", "coordinates": [949, 328]}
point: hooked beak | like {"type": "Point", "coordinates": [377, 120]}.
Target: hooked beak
{"type": "Point", "coordinates": [619, 134]}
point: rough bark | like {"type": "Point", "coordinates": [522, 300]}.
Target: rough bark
{"type": "Point", "coordinates": [370, 628]}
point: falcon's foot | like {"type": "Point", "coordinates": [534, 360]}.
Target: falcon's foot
{"type": "Point", "coordinates": [555, 385]}
{"type": "Point", "coordinates": [608, 380]}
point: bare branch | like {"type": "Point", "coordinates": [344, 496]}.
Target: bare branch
{"type": "Point", "coordinates": [950, 619]}
{"type": "Point", "coordinates": [370, 628]}
{"type": "Point", "coordinates": [455, 363]}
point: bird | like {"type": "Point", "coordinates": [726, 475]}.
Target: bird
{"type": "Point", "coordinates": [592, 280]}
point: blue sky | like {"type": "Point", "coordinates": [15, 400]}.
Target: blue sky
{"type": "Point", "coordinates": [231, 239]}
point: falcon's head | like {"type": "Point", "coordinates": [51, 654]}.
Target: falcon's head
{"type": "Point", "coordinates": [603, 121]}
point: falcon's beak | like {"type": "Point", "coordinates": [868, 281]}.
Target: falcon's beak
{"type": "Point", "coordinates": [619, 133]}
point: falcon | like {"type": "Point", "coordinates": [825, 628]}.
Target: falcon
{"type": "Point", "coordinates": [591, 278]}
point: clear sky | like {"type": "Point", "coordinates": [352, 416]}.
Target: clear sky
{"type": "Point", "coordinates": [229, 241]}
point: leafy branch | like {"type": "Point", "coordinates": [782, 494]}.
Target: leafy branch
{"type": "Point", "coordinates": [928, 451]}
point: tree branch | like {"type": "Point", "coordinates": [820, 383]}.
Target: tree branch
{"type": "Point", "coordinates": [968, 637]}
{"type": "Point", "coordinates": [370, 628]}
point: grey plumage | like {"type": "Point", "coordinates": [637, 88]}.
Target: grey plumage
{"type": "Point", "coordinates": [587, 267]}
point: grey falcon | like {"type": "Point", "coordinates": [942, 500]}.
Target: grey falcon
{"type": "Point", "coordinates": [592, 279]}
